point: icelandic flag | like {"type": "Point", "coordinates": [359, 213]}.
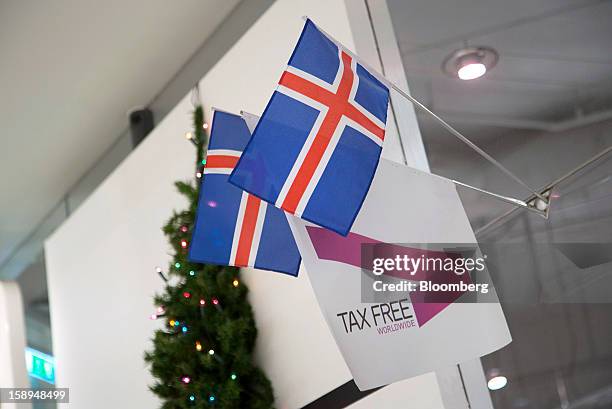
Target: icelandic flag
{"type": "Point", "coordinates": [232, 227]}
{"type": "Point", "coordinates": [316, 148]}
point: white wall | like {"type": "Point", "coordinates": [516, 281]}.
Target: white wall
{"type": "Point", "coordinates": [100, 262]}
{"type": "Point", "coordinates": [13, 373]}
{"type": "Point", "coordinates": [100, 272]}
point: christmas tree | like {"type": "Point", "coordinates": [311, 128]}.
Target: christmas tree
{"type": "Point", "coordinates": [203, 356]}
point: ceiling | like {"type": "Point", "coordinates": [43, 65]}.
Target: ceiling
{"type": "Point", "coordinates": [551, 88]}
{"type": "Point", "coordinates": [555, 68]}
{"type": "Point", "coordinates": [555, 57]}
{"type": "Point", "coordinates": [70, 70]}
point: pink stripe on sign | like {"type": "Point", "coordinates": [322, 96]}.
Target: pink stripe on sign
{"type": "Point", "coordinates": [347, 250]}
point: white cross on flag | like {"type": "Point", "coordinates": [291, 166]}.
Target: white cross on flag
{"type": "Point", "coordinates": [316, 148]}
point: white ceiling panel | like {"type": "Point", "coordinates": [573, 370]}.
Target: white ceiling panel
{"type": "Point", "coordinates": [582, 34]}
{"type": "Point", "coordinates": [554, 56]}
{"type": "Point", "coordinates": [422, 23]}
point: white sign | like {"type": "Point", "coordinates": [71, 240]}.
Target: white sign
{"type": "Point", "coordinates": [388, 341]}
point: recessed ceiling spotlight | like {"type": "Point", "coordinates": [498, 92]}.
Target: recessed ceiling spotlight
{"type": "Point", "coordinates": [496, 380]}
{"type": "Point", "coordinates": [470, 62]}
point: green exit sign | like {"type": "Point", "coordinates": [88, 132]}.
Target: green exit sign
{"type": "Point", "coordinates": [40, 366]}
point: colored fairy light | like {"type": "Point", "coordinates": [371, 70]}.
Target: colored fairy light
{"type": "Point", "coordinates": [235, 283]}
{"type": "Point", "coordinates": [176, 323]}
{"type": "Point", "coordinates": [211, 398]}
{"type": "Point", "coordinates": [161, 310]}
{"type": "Point", "coordinates": [211, 352]}
{"type": "Point", "coordinates": [215, 301]}
{"type": "Point", "coordinates": [202, 301]}
{"type": "Point", "coordinates": [203, 162]}
{"type": "Point", "coordinates": [192, 273]}
{"type": "Point", "coordinates": [191, 398]}
{"type": "Point", "coordinates": [184, 329]}
{"type": "Point", "coordinates": [198, 175]}
{"type": "Point", "coordinates": [172, 323]}
{"type": "Point", "coordinates": [233, 377]}
{"type": "Point", "coordinates": [198, 346]}
{"type": "Point", "coordinates": [188, 135]}
{"type": "Point", "coordinates": [153, 316]}
{"type": "Point", "coordinates": [177, 265]}
{"type": "Point", "coordinates": [184, 229]}
{"type": "Point", "coordinates": [186, 294]}
{"type": "Point", "coordinates": [185, 379]}
{"type": "Point", "coordinates": [205, 125]}
{"type": "Point", "coordinates": [184, 243]}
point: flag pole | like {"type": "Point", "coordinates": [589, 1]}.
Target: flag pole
{"type": "Point", "coordinates": [453, 131]}
{"type": "Point", "coordinates": [506, 199]}
{"type": "Point", "coordinates": [247, 115]}
{"type": "Point", "coordinates": [461, 137]}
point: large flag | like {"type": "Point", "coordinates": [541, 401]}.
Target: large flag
{"type": "Point", "coordinates": [233, 227]}
{"type": "Point", "coordinates": [316, 148]}
{"type": "Point", "coordinates": [408, 217]}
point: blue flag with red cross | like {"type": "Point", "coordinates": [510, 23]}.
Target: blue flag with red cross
{"type": "Point", "coordinates": [317, 145]}
{"type": "Point", "coordinates": [232, 227]}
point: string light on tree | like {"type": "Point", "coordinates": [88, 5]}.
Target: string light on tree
{"type": "Point", "coordinates": [191, 137]}
{"type": "Point", "coordinates": [196, 380]}
{"type": "Point", "coordinates": [160, 272]}
{"type": "Point", "coordinates": [153, 316]}
{"type": "Point", "coordinates": [187, 294]}
{"type": "Point", "coordinates": [235, 283]}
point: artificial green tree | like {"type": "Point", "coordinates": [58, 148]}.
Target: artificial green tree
{"type": "Point", "coordinates": [202, 357]}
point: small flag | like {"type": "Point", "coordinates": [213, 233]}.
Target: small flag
{"type": "Point", "coordinates": [233, 227]}
{"type": "Point", "coordinates": [316, 148]}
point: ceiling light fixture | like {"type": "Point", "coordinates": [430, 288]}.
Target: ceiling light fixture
{"type": "Point", "coordinates": [497, 382]}
{"type": "Point", "coordinates": [496, 379]}
{"type": "Point", "coordinates": [470, 62]}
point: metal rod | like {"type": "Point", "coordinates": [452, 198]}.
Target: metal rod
{"type": "Point", "coordinates": [506, 199]}
{"type": "Point", "coordinates": [511, 200]}
{"type": "Point", "coordinates": [547, 187]}
{"type": "Point", "coordinates": [471, 144]}
{"type": "Point", "coordinates": [422, 107]}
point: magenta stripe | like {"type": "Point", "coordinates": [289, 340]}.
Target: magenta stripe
{"type": "Point", "coordinates": [347, 249]}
